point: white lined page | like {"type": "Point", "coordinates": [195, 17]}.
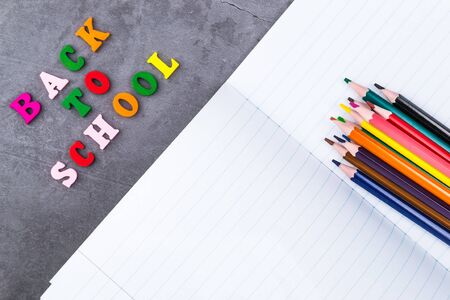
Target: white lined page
{"type": "Point", "coordinates": [243, 211]}
{"type": "Point", "coordinates": [403, 45]}
{"type": "Point", "coordinates": [243, 203]}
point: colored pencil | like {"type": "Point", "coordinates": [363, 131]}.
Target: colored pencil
{"type": "Point", "coordinates": [415, 112]}
{"type": "Point", "coordinates": [416, 148]}
{"type": "Point", "coordinates": [346, 138]}
{"type": "Point", "coordinates": [409, 130]}
{"type": "Point", "coordinates": [359, 119]}
{"type": "Point", "coordinates": [395, 189]}
{"type": "Point", "coordinates": [369, 95]}
{"type": "Point", "coordinates": [399, 163]}
{"type": "Point", "coordinates": [393, 175]}
{"type": "Point", "coordinates": [393, 201]}
{"type": "Point", "coordinates": [355, 115]}
{"type": "Point", "coordinates": [397, 147]}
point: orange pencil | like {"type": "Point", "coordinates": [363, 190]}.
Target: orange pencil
{"type": "Point", "coordinates": [400, 164]}
{"type": "Point", "coordinates": [435, 161]}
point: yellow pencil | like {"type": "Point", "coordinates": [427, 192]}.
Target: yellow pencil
{"type": "Point", "coordinates": [399, 148]}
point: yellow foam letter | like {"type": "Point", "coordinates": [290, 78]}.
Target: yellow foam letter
{"type": "Point", "coordinates": [161, 66]}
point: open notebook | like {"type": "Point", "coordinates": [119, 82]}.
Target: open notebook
{"type": "Point", "coordinates": [245, 203]}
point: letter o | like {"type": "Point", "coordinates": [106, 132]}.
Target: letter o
{"type": "Point", "coordinates": [122, 111]}
{"type": "Point", "coordinates": [92, 86]}
{"type": "Point", "coordinates": [142, 90]}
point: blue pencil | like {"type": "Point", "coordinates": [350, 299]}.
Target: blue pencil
{"type": "Point", "coordinates": [392, 200]}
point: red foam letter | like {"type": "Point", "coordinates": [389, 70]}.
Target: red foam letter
{"type": "Point", "coordinates": [78, 158]}
{"type": "Point", "coordinates": [90, 82]}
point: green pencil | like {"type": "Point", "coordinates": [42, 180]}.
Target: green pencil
{"type": "Point", "coordinates": [368, 95]}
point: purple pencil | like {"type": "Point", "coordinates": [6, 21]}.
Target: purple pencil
{"type": "Point", "coordinates": [393, 175]}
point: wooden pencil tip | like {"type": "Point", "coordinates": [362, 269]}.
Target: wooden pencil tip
{"type": "Point", "coordinates": [345, 108]}
{"type": "Point", "coordinates": [336, 162]}
{"type": "Point", "coordinates": [378, 86]}
{"type": "Point", "coordinates": [353, 104]}
{"type": "Point", "coordinates": [330, 142]}
{"type": "Point", "coordinates": [351, 99]}
{"type": "Point", "coordinates": [347, 80]}
{"type": "Point", "coordinates": [339, 139]}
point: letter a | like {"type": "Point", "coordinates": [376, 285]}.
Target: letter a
{"type": "Point", "coordinates": [53, 84]}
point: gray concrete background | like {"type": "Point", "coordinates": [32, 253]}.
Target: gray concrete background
{"type": "Point", "coordinates": [41, 222]}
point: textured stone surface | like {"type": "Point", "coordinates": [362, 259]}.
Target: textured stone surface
{"type": "Point", "coordinates": [41, 221]}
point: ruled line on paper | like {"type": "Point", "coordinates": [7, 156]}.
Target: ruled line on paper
{"type": "Point", "coordinates": [253, 247]}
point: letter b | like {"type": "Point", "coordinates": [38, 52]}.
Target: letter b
{"type": "Point", "coordinates": [26, 107]}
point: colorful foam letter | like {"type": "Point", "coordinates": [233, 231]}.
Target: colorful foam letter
{"type": "Point", "coordinates": [53, 84]}
{"type": "Point", "coordinates": [139, 88]}
{"type": "Point", "coordinates": [161, 66]}
{"type": "Point", "coordinates": [122, 111]}
{"type": "Point", "coordinates": [104, 129]}
{"type": "Point", "coordinates": [72, 100]}
{"type": "Point", "coordinates": [69, 63]}
{"type": "Point", "coordinates": [78, 158]}
{"type": "Point", "coordinates": [97, 76]}
{"type": "Point", "coordinates": [26, 107]}
{"type": "Point", "coordinates": [57, 174]}
{"type": "Point", "coordinates": [91, 36]}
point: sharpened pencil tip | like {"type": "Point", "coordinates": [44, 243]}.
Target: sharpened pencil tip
{"type": "Point", "coordinates": [336, 162]}
{"type": "Point", "coordinates": [330, 142]}
{"type": "Point", "coordinates": [339, 139]}
{"type": "Point", "coordinates": [341, 119]}
{"type": "Point", "coordinates": [371, 105]}
{"type": "Point", "coordinates": [345, 108]}
{"type": "Point", "coordinates": [332, 118]}
{"type": "Point", "coordinates": [347, 80]}
{"type": "Point", "coordinates": [346, 138]}
{"type": "Point", "coordinates": [353, 104]}
{"type": "Point", "coordinates": [351, 99]}
{"type": "Point", "coordinates": [378, 86]}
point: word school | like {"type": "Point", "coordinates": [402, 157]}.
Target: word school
{"type": "Point", "coordinates": [98, 83]}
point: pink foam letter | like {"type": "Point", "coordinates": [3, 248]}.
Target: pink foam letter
{"type": "Point", "coordinates": [53, 84]}
{"type": "Point", "coordinates": [99, 135]}
{"type": "Point", "coordinates": [26, 107]}
{"type": "Point", "coordinates": [57, 174]}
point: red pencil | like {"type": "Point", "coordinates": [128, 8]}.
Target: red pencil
{"type": "Point", "coordinates": [411, 131]}
{"type": "Point", "coordinates": [403, 139]}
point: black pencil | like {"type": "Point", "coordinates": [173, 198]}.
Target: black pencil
{"type": "Point", "coordinates": [415, 112]}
